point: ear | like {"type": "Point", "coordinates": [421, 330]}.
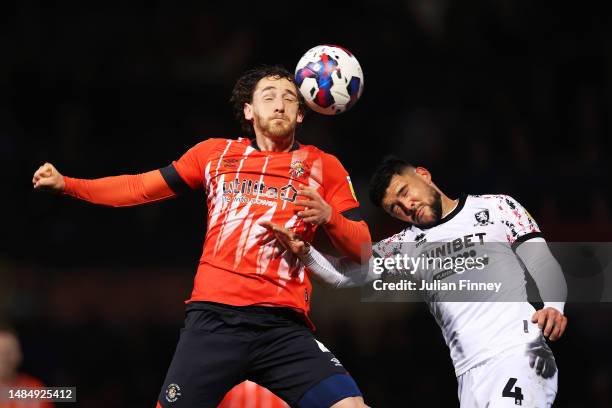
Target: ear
{"type": "Point", "coordinates": [300, 116]}
{"type": "Point", "coordinates": [248, 111]}
{"type": "Point", "coordinates": [424, 174]}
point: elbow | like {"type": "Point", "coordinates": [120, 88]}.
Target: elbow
{"type": "Point", "coordinates": [360, 249]}
{"type": "Point", "coordinates": [352, 238]}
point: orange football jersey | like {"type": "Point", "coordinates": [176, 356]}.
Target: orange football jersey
{"type": "Point", "coordinates": [244, 186]}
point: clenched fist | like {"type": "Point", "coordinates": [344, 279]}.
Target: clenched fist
{"type": "Point", "coordinates": [47, 178]}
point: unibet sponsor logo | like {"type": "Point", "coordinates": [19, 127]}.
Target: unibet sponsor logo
{"type": "Point", "coordinates": [457, 245]}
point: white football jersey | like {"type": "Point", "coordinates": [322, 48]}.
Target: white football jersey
{"type": "Point", "coordinates": [488, 226]}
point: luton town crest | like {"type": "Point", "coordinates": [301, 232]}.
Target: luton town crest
{"type": "Point", "coordinates": [482, 218]}
{"type": "Point", "coordinates": [173, 392]}
{"type": "Point", "coordinates": [298, 169]}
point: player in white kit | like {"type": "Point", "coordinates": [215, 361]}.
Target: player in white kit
{"type": "Point", "coordinates": [495, 337]}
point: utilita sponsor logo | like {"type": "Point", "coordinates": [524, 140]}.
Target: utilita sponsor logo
{"type": "Point", "coordinates": [249, 187]}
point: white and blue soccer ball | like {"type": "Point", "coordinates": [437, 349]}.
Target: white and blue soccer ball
{"type": "Point", "coordinates": [330, 79]}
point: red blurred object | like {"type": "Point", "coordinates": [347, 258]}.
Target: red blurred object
{"type": "Point", "coordinates": [27, 382]}
{"type": "Point", "coordinates": [250, 395]}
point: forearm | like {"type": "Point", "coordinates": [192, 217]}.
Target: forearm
{"type": "Point", "coordinates": [352, 238]}
{"type": "Point", "coordinates": [546, 272]}
{"type": "Point", "coordinates": [120, 191]}
{"type": "Point", "coordinates": [335, 272]}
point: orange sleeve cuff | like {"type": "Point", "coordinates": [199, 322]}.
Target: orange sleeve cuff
{"type": "Point", "coordinates": [352, 238]}
{"type": "Point", "coordinates": [120, 191]}
{"type": "Point", "coordinates": [69, 186]}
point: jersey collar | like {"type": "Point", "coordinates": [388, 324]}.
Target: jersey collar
{"type": "Point", "coordinates": [450, 215]}
{"type": "Point", "coordinates": [295, 146]}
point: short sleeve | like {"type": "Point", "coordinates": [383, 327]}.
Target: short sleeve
{"type": "Point", "coordinates": [338, 189]}
{"type": "Point", "coordinates": [188, 171]}
{"type": "Point", "coordinates": [519, 225]}
{"type": "Point", "coordinates": [400, 243]}
{"type": "Point", "coordinates": [386, 248]}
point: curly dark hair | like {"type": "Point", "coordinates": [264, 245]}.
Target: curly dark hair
{"type": "Point", "coordinates": [245, 86]}
{"type": "Point", "coordinates": [390, 166]}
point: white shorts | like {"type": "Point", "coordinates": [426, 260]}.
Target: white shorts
{"type": "Point", "coordinates": [508, 380]}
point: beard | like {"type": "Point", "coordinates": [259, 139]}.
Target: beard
{"type": "Point", "coordinates": [435, 205]}
{"type": "Point", "coordinates": [274, 128]}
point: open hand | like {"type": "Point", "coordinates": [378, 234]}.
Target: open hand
{"type": "Point", "coordinates": [290, 241]}
{"type": "Point", "coordinates": [541, 358]}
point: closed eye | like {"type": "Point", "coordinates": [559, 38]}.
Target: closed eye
{"type": "Point", "coordinates": [268, 96]}
{"type": "Point", "coordinates": [394, 209]}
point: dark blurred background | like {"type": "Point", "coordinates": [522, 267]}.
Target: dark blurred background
{"type": "Point", "coordinates": [495, 96]}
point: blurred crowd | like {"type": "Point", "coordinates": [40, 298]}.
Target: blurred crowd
{"type": "Point", "coordinates": [493, 96]}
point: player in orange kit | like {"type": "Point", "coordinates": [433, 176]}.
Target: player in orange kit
{"type": "Point", "coordinates": [247, 315]}
{"type": "Point", "coordinates": [11, 378]}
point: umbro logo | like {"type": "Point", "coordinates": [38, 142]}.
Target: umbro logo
{"type": "Point", "coordinates": [230, 163]}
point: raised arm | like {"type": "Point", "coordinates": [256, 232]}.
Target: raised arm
{"type": "Point", "coordinates": [133, 189]}
{"type": "Point", "coordinates": [116, 191]}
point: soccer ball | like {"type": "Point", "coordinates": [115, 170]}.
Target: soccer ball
{"type": "Point", "coordinates": [330, 79]}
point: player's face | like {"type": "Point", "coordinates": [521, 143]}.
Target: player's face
{"type": "Point", "coordinates": [275, 109]}
{"type": "Point", "coordinates": [10, 355]}
{"type": "Point", "coordinates": [410, 197]}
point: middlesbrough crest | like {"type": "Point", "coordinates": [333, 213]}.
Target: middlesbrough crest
{"type": "Point", "coordinates": [482, 218]}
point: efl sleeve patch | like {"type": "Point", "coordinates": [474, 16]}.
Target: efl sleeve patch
{"type": "Point", "coordinates": [348, 178]}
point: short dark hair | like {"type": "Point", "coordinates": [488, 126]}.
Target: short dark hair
{"type": "Point", "coordinates": [390, 166]}
{"type": "Point", "coordinates": [245, 87]}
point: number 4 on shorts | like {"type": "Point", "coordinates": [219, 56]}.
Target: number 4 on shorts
{"type": "Point", "coordinates": [516, 394]}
